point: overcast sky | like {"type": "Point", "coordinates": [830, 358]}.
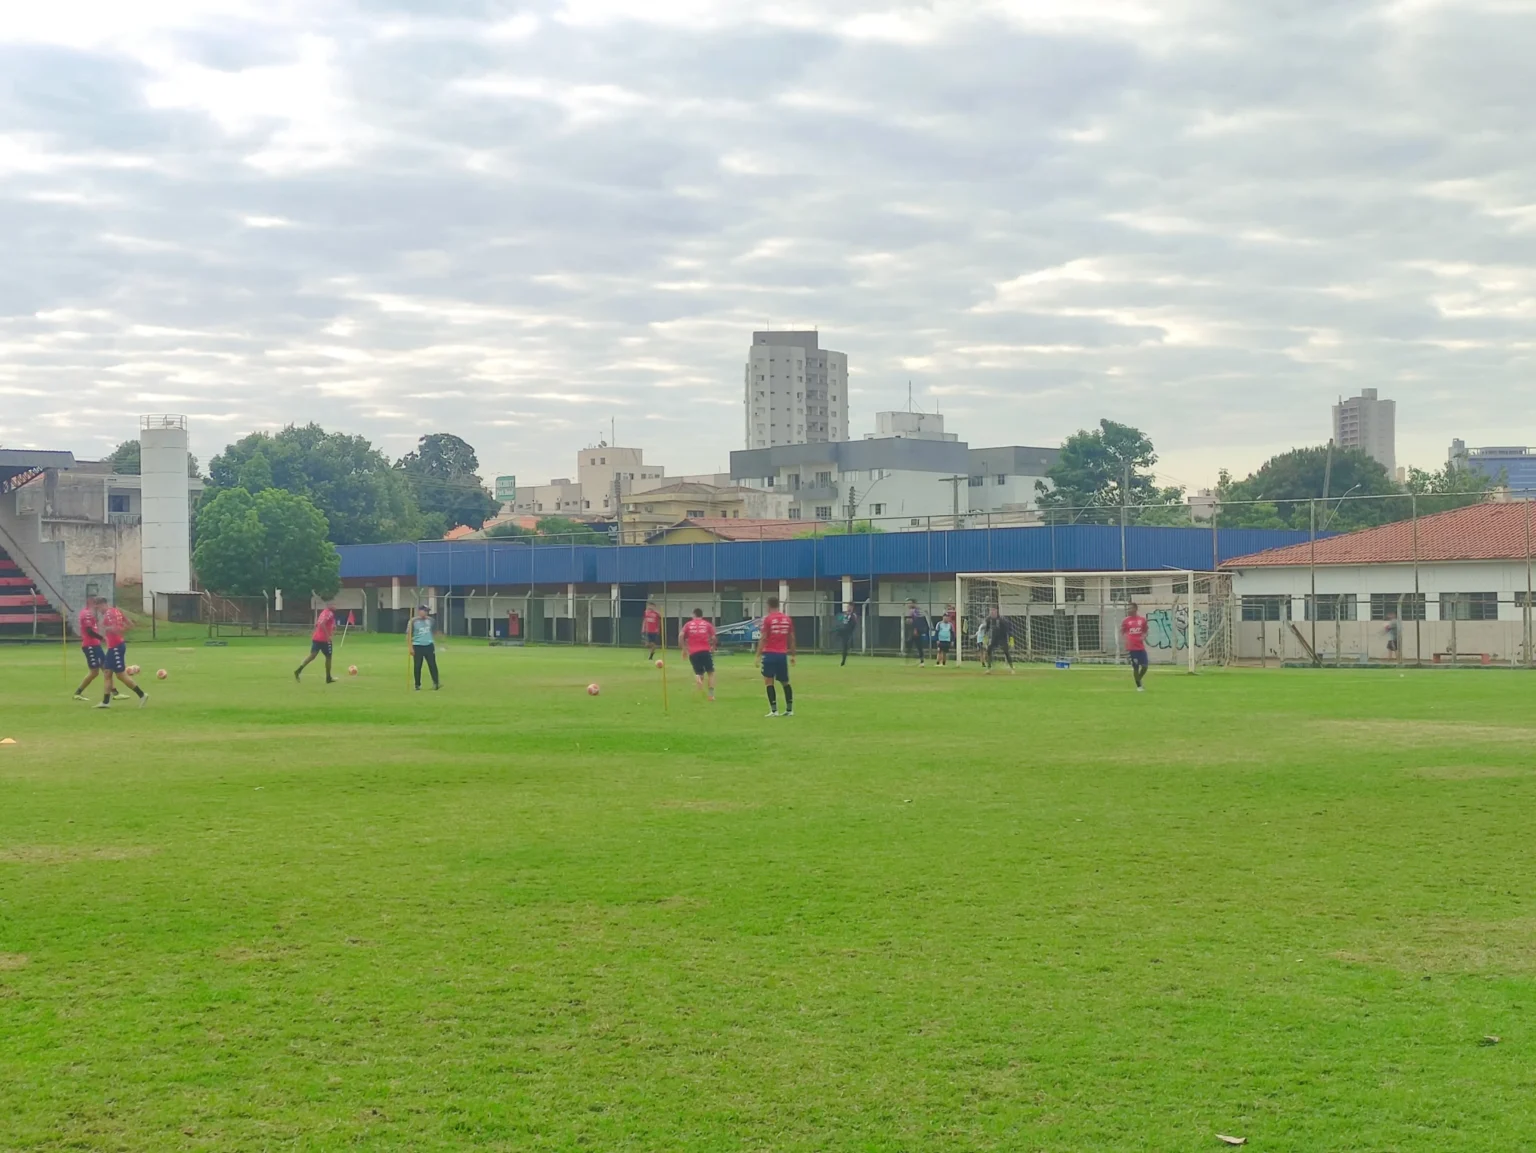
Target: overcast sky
{"type": "Point", "coordinates": [517, 221]}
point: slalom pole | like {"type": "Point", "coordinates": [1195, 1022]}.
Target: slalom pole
{"type": "Point", "coordinates": [666, 706]}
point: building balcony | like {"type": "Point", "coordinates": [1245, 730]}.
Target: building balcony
{"type": "Point", "coordinates": [816, 494]}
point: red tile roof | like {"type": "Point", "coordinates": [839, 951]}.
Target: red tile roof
{"type": "Point", "coordinates": [1482, 532]}
{"type": "Point", "coordinates": [732, 528]}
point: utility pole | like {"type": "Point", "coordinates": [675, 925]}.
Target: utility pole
{"type": "Point", "coordinates": [954, 483]}
{"type": "Point", "coordinates": [1125, 501]}
{"type": "Point", "coordinates": [853, 506]}
{"type": "Point", "coordinates": [1328, 472]}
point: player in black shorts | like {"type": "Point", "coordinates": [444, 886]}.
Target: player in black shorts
{"type": "Point", "coordinates": [997, 640]}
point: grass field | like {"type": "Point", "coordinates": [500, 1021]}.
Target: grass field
{"type": "Point", "coordinates": [934, 911]}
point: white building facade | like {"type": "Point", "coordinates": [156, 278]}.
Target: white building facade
{"type": "Point", "coordinates": [794, 391]}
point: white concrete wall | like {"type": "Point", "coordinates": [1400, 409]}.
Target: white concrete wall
{"type": "Point", "coordinates": [100, 548]}
{"type": "Point", "coordinates": [167, 530]}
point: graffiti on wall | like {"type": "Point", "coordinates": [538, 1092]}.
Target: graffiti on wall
{"type": "Point", "coordinates": [1169, 628]}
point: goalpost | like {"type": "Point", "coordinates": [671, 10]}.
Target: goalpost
{"type": "Point", "coordinates": [1075, 616]}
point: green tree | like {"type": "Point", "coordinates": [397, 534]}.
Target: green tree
{"type": "Point", "coordinates": [124, 460]}
{"type": "Point", "coordinates": [508, 530]}
{"type": "Point", "coordinates": [364, 499]}
{"type": "Point", "coordinates": [252, 545]}
{"type": "Point", "coordinates": [444, 474]}
{"type": "Point", "coordinates": [841, 528]}
{"type": "Point", "coordinates": [568, 530]}
{"type": "Point", "coordinates": [1283, 488]}
{"type": "Point", "coordinates": [256, 474]}
{"type": "Point", "coordinates": [1101, 470]}
{"type": "Point", "coordinates": [1451, 487]}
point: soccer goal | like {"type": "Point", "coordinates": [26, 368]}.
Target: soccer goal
{"type": "Point", "coordinates": [1075, 616]}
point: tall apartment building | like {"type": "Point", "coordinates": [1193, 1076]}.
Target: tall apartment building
{"type": "Point", "coordinates": [796, 391]}
{"type": "Point", "coordinates": [1368, 423]}
{"type": "Point", "coordinates": [1515, 464]}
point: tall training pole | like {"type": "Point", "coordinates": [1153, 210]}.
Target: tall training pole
{"type": "Point", "coordinates": [1312, 506]}
{"type": "Point", "coordinates": [1189, 625]}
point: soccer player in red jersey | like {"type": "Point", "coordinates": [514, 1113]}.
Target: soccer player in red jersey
{"type": "Point", "coordinates": [320, 642]}
{"type": "Point", "coordinates": [92, 647]}
{"type": "Point", "coordinates": [115, 624]}
{"type": "Point", "coordinates": [776, 647]}
{"type": "Point", "coordinates": [699, 641]}
{"type": "Point", "coordinates": [1134, 629]}
{"type": "Point", "coordinates": [651, 628]}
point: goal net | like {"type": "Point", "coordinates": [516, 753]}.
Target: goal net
{"type": "Point", "coordinates": [1076, 616]}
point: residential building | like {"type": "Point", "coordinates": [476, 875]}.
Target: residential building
{"type": "Point", "coordinates": [1368, 423]}
{"type": "Point", "coordinates": [795, 391]}
{"type": "Point", "coordinates": [1003, 481]}
{"type": "Point", "coordinates": [1515, 465]}
{"type": "Point", "coordinates": [646, 512]}
{"type": "Point", "coordinates": [592, 493]}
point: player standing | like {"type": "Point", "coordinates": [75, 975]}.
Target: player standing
{"type": "Point", "coordinates": [917, 631]}
{"type": "Point", "coordinates": [91, 647]}
{"type": "Point", "coordinates": [115, 624]}
{"type": "Point", "coordinates": [847, 626]}
{"type": "Point", "coordinates": [776, 647]}
{"type": "Point", "coordinates": [944, 634]}
{"type": "Point", "coordinates": [423, 647]}
{"type": "Point", "coordinates": [699, 640]}
{"type": "Point", "coordinates": [651, 630]}
{"type": "Point", "coordinates": [996, 631]}
{"type": "Point", "coordinates": [1134, 629]}
{"type": "Point", "coordinates": [320, 642]}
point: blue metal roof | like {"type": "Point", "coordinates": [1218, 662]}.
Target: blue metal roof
{"type": "Point", "coordinates": [1084, 548]}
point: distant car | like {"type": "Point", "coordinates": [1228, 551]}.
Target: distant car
{"type": "Point", "coordinates": [742, 635]}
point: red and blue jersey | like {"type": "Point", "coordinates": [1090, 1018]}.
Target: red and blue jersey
{"type": "Point", "coordinates": [698, 636]}
{"type": "Point", "coordinates": [777, 629]}
{"type": "Point", "coordinates": [1134, 630]}
{"type": "Point", "coordinates": [325, 626]}
{"type": "Point", "coordinates": [117, 626]}
{"type": "Point", "coordinates": [652, 621]}
{"type": "Point", "coordinates": [90, 630]}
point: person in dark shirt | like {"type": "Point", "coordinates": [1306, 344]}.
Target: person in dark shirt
{"type": "Point", "coordinates": [997, 631]}
{"type": "Point", "coordinates": [847, 626]}
{"type": "Point", "coordinates": [917, 631]}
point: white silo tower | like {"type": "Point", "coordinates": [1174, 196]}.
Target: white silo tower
{"type": "Point", "coordinates": [166, 506]}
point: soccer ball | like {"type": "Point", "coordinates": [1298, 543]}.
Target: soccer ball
{"type": "Point", "coordinates": [593, 690]}
{"type": "Point", "coordinates": [351, 670]}
{"type": "Point", "coordinates": [132, 670]}
{"type": "Point", "coordinates": [161, 675]}
{"type": "Point", "coordinates": [660, 664]}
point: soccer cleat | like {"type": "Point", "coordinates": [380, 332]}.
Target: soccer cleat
{"type": "Point", "coordinates": [297, 673]}
{"type": "Point", "coordinates": [330, 680]}
{"type": "Point", "coordinates": [143, 699]}
{"type": "Point", "coordinates": [774, 714]}
{"type": "Point", "coordinates": [1139, 689]}
{"type": "Point", "coordinates": [103, 705]}
{"type": "Point", "coordinates": [81, 697]}
{"type": "Point", "coordinates": [790, 713]}
{"type": "Point", "coordinates": [436, 687]}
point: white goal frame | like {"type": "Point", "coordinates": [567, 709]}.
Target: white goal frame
{"type": "Point", "coordinates": [1190, 599]}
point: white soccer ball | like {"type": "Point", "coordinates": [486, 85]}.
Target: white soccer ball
{"type": "Point", "coordinates": [161, 675]}
{"type": "Point", "coordinates": [660, 664]}
{"type": "Point", "coordinates": [132, 670]}
{"type": "Point", "coordinates": [593, 690]}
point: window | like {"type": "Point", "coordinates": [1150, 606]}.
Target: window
{"type": "Point", "coordinates": [593, 460]}
{"type": "Point", "coordinates": [794, 482]}
{"type": "Point", "coordinates": [977, 481]}
{"type": "Point", "coordinates": [1333, 607]}
{"type": "Point", "coordinates": [694, 514]}
{"type": "Point", "coordinates": [1001, 479]}
{"type": "Point", "coordinates": [1076, 593]}
{"type": "Point", "coordinates": [877, 510]}
{"type": "Point", "coordinates": [1469, 606]}
{"type": "Point", "coordinates": [1405, 606]}
{"type": "Point", "coordinates": [823, 478]}
{"type": "Point", "coordinates": [794, 514]}
{"type": "Point", "coordinates": [1267, 608]}
{"type": "Point", "coordinates": [588, 503]}
{"type": "Point", "coordinates": [917, 522]}
{"type": "Point", "coordinates": [823, 512]}
{"type": "Point", "coordinates": [117, 503]}
{"type": "Point", "coordinates": [1127, 593]}
{"type": "Point", "coordinates": [1524, 598]}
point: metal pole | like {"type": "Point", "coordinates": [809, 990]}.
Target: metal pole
{"type": "Point", "coordinates": [1530, 661]}
{"type": "Point", "coordinates": [1125, 497]}
{"type": "Point", "coordinates": [1418, 611]}
{"type": "Point", "coordinates": [1312, 510]}
{"type": "Point", "coordinates": [1189, 624]}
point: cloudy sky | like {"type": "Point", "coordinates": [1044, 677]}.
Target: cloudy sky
{"type": "Point", "coordinates": [517, 221]}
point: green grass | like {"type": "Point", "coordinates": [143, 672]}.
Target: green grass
{"type": "Point", "coordinates": [935, 911]}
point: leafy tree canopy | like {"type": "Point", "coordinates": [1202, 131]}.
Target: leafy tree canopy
{"type": "Point", "coordinates": [840, 528]}
{"type": "Point", "coordinates": [444, 475]}
{"type": "Point", "coordinates": [567, 529]}
{"type": "Point", "coordinates": [1101, 470]}
{"type": "Point", "coordinates": [252, 545]}
{"type": "Point", "coordinates": [364, 499]}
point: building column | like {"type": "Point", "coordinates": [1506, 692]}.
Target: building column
{"type": "Point", "coordinates": [784, 595]}
{"type": "Point", "coordinates": [570, 607]}
{"type": "Point", "coordinates": [847, 592]}
{"type": "Point", "coordinates": [394, 593]}
{"type": "Point", "coordinates": [277, 599]}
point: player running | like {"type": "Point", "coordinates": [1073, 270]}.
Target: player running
{"type": "Point", "coordinates": [423, 647]}
{"type": "Point", "coordinates": [650, 629]}
{"type": "Point", "coordinates": [92, 647]}
{"type": "Point", "coordinates": [320, 642]}
{"type": "Point", "coordinates": [776, 647]}
{"type": "Point", "coordinates": [699, 641]}
{"type": "Point", "coordinates": [115, 623]}
{"type": "Point", "coordinates": [995, 635]}
{"type": "Point", "coordinates": [1134, 629]}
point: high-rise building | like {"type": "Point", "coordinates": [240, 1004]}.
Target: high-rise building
{"type": "Point", "coordinates": [1514, 465]}
{"type": "Point", "coordinates": [796, 391]}
{"type": "Point", "coordinates": [1368, 423]}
